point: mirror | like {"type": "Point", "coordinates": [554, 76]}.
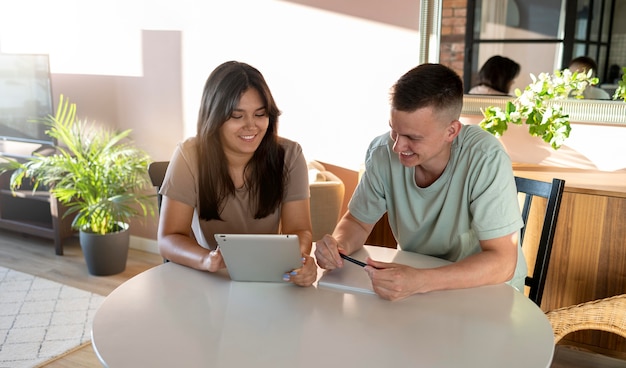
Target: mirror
{"type": "Point", "coordinates": [581, 111]}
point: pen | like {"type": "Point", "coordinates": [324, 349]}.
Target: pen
{"type": "Point", "coordinates": [355, 261]}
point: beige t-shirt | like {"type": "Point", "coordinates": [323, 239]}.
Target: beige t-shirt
{"type": "Point", "coordinates": [181, 184]}
{"type": "Point", "coordinates": [485, 90]}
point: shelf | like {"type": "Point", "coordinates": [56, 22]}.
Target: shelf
{"type": "Point", "coordinates": [39, 195]}
{"type": "Point", "coordinates": [34, 213]}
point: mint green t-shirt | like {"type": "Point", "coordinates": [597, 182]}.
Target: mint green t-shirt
{"type": "Point", "coordinates": [474, 199]}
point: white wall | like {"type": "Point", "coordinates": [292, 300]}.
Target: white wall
{"type": "Point", "coordinates": [589, 147]}
{"type": "Point", "coordinates": [143, 64]}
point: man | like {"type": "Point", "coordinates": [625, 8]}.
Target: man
{"type": "Point", "coordinates": [448, 190]}
{"type": "Point", "coordinates": [583, 64]}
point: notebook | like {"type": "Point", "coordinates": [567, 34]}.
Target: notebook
{"type": "Point", "coordinates": [353, 278]}
{"type": "Point", "coordinates": [259, 257]}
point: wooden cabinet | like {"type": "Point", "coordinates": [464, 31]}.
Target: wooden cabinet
{"type": "Point", "coordinates": [34, 213]}
{"type": "Point", "coordinates": [588, 259]}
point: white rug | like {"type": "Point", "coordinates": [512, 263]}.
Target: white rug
{"type": "Point", "coordinates": [41, 319]}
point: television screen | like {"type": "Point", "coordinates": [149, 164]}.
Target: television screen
{"type": "Point", "coordinates": [25, 95]}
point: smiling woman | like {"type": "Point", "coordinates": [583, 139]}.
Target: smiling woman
{"type": "Point", "coordinates": [236, 175]}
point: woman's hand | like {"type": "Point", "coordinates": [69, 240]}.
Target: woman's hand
{"type": "Point", "coordinates": [214, 261]}
{"type": "Point", "coordinates": [305, 275]}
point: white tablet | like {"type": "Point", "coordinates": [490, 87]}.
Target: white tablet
{"type": "Point", "coordinates": [259, 257]}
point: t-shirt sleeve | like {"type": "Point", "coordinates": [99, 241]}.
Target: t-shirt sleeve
{"type": "Point", "coordinates": [369, 202]}
{"type": "Point", "coordinates": [180, 179]}
{"type": "Point", "coordinates": [494, 204]}
{"type": "Point", "coordinates": [297, 173]}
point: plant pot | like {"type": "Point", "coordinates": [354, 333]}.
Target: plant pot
{"type": "Point", "coordinates": [105, 254]}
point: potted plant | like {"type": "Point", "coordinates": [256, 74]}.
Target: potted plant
{"type": "Point", "coordinates": [100, 177]}
{"type": "Point", "coordinates": [538, 106]}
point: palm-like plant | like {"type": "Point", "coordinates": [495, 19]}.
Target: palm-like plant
{"type": "Point", "coordinates": [97, 173]}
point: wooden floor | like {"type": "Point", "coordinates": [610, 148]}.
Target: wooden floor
{"type": "Point", "coordinates": [36, 256]}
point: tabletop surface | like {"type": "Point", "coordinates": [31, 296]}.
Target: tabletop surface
{"type": "Point", "coordinates": [175, 316]}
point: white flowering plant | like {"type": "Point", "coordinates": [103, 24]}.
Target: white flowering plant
{"type": "Point", "coordinates": [620, 92]}
{"type": "Point", "coordinates": [538, 106]}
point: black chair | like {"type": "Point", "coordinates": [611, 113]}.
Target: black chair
{"type": "Point", "coordinates": [553, 192]}
{"type": "Point", "coordinates": [156, 171]}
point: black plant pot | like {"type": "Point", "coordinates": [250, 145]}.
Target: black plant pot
{"type": "Point", "coordinates": [105, 254]}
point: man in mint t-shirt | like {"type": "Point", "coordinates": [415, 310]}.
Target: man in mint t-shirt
{"type": "Point", "coordinates": [448, 190]}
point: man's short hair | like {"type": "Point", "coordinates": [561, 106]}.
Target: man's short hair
{"type": "Point", "coordinates": [583, 64]}
{"type": "Point", "coordinates": [429, 85]}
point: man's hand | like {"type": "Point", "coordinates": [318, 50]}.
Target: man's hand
{"type": "Point", "coordinates": [394, 281]}
{"type": "Point", "coordinates": [327, 253]}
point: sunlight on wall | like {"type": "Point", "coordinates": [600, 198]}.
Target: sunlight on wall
{"type": "Point", "coordinates": [330, 73]}
{"type": "Point", "coordinates": [589, 147]}
{"type": "Point", "coordinates": [80, 37]}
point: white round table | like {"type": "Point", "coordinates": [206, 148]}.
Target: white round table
{"type": "Point", "coordinates": [174, 316]}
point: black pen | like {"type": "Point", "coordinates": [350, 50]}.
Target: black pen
{"type": "Point", "coordinates": [355, 261]}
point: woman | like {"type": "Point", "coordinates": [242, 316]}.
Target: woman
{"type": "Point", "coordinates": [496, 76]}
{"type": "Point", "coordinates": [235, 176]}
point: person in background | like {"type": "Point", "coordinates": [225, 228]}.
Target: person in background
{"type": "Point", "coordinates": [615, 74]}
{"type": "Point", "coordinates": [448, 190]}
{"type": "Point", "coordinates": [583, 64]}
{"type": "Point", "coordinates": [235, 176]}
{"type": "Point", "coordinates": [496, 76]}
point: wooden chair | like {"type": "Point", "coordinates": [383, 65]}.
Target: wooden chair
{"type": "Point", "coordinates": [553, 192]}
{"type": "Point", "coordinates": [608, 314]}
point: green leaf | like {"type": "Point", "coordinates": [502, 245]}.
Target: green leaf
{"type": "Point", "coordinates": [620, 92]}
{"type": "Point", "coordinates": [536, 106]}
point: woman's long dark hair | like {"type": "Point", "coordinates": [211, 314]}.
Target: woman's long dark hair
{"type": "Point", "coordinates": [498, 72]}
{"type": "Point", "coordinates": [264, 175]}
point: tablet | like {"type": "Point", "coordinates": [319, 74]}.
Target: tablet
{"type": "Point", "coordinates": [259, 257]}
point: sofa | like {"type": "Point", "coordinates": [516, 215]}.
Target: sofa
{"type": "Point", "coordinates": [327, 192]}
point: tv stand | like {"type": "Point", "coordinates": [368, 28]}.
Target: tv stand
{"type": "Point", "coordinates": [45, 150]}
{"type": "Point", "coordinates": [36, 213]}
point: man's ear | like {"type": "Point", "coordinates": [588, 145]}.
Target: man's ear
{"type": "Point", "coordinates": [453, 129]}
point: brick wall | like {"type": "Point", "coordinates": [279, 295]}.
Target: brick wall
{"type": "Point", "coordinates": [452, 43]}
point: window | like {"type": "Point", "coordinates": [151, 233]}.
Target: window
{"type": "Point", "coordinates": [542, 35]}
